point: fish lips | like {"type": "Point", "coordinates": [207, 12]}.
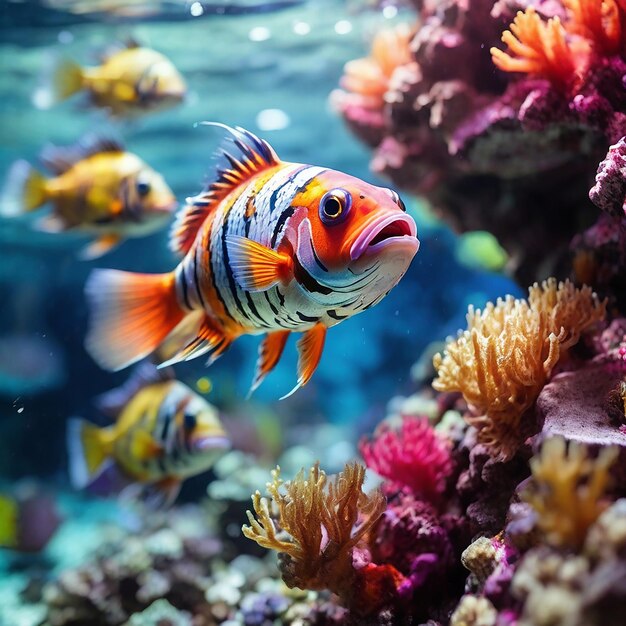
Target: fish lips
{"type": "Point", "coordinates": [211, 443]}
{"type": "Point", "coordinates": [396, 232]}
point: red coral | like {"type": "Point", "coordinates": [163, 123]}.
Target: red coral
{"type": "Point", "coordinates": [414, 456]}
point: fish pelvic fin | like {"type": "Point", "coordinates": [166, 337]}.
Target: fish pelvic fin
{"type": "Point", "coordinates": [210, 338]}
{"type": "Point", "coordinates": [153, 496]}
{"type": "Point", "coordinates": [9, 522]}
{"type": "Point", "coordinates": [88, 448]}
{"type": "Point", "coordinates": [310, 348]}
{"type": "Point", "coordinates": [25, 189]}
{"type": "Point", "coordinates": [254, 155]}
{"type": "Point", "coordinates": [270, 351]}
{"type": "Point", "coordinates": [256, 267]}
{"type": "Point", "coordinates": [99, 247]}
{"type": "Point", "coordinates": [131, 315]}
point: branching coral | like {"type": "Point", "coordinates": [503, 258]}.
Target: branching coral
{"type": "Point", "coordinates": [539, 47]}
{"type": "Point", "coordinates": [319, 520]}
{"type": "Point", "coordinates": [504, 358]}
{"type": "Point", "coordinates": [567, 490]}
{"type": "Point", "coordinates": [414, 456]}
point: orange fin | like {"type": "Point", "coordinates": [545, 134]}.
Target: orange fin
{"type": "Point", "coordinates": [144, 447]}
{"type": "Point", "coordinates": [310, 349]}
{"type": "Point", "coordinates": [255, 155]}
{"type": "Point", "coordinates": [209, 338]}
{"type": "Point", "coordinates": [98, 247]}
{"type": "Point", "coordinates": [88, 448]}
{"type": "Point", "coordinates": [255, 267]}
{"type": "Point", "coordinates": [131, 314]}
{"type": "Point", "coordinates": [270, 351]}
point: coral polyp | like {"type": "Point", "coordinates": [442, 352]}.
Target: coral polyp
{"type": "Point", "coordinates": [537, 47]}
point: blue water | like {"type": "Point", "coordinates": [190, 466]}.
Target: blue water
{"type": "Point", "coordinates": [238, 64]}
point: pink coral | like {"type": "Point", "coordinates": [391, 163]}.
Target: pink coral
{"type": "Point", "coordinates": [413, 456]}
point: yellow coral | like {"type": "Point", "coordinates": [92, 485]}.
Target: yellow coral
{"type": "Point", "coordinates": [504, 358]}
{"type": "Point", "coordinates": [539, 47]}
{"type": "Point", "coordinates": [567, 490]}
{"type": "Point", "coordinates": [318, 520]}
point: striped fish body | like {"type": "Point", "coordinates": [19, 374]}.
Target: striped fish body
{"type": "Point", "coordinates": [270, 247]}
{"type": "Point", "coordinates": [163, 434]}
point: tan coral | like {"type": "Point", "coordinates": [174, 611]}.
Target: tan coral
{"type": "Point", "coordinates": [504, 358]}
{"type": "Point", "coordinates": [474, 611]}
{"type": "Point", "coordinates": [567, 491]}
{"type": "Point", "coordinates": [319, 525]}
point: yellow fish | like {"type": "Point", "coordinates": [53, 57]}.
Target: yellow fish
{"type": "Point", "coordinates": [163, 433]}
{"type": "Point", "coordinates": [98, 188]}
{"type": "Point", "coordinates": [129, 81]}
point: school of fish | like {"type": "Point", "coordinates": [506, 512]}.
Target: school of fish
{"type": "Point", "coordinates": [268, 247]}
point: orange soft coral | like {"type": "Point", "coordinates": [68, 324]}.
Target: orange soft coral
{"type": "Point", "coordinates": [319, 526]}
{"type": "Point", "coordinates": [567, 490]}
{"type": "Point", "coordinates": [368, 78]}
{"type": "Point", "coordinates": [504, 358]}
{"type": "Point", "coordinates": [538, 47]}
{"type": "Point", "coordinates": [598, 21]}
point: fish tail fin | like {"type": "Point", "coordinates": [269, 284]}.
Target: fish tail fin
{"type": "Point", "coordinates": [24, 190]}
{"type": "Point", "coordinates": [61, 79]}
{"type": "Point", "coordinates": [9, 526]}
{"type": "Point", "coordinates": [88, 448]}
{"type": "Point", "coordinates": [131, 315]}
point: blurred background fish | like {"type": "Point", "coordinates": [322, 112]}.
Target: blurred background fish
{"type": "Point", "coordinates": [130, 80]}
{"type": "Point", "coordinates": [98, 188]}
{"type": "Point", "coordinates": [163, 433]}
{"type": "Point", "coordinates": [29, 517]}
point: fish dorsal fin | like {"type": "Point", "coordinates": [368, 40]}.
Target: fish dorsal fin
{"type": "Point", "coordinates": [112, 402]}
{"type": "Point", "coordinates": [255, 155]}
{"type": "Point", "coordinates": [59, 159]}
{"type": "Point", "coordinates": [110, 50]}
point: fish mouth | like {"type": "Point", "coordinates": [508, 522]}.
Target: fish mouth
{"type": "Point", "coordinates": [214, 442]}
{"type": "Point", "coordinates": [384, 232]}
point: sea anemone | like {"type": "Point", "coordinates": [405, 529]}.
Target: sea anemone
{"type": "Point", "coordinates": [413, 456]}
{"type": "Point", "coordinates": [567, 490]}
{"type": "Point", "coordinates": [319, 526]}
{"type": "Point", "coordinates": [504, 358]}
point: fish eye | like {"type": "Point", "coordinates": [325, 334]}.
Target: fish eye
{"type": "Point", "coordinates": [143, 188]}
{"type": "Point", "coordinates": [334, 206]}
{"type": "Point", "coordinates": [190, 421]}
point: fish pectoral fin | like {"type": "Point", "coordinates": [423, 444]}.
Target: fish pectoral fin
{"type": "Point", "coordinates": [270, 351]}
{"type": "Point", "coordinates": [256, 267]}
{"type": "Point", "coordinates": [143, 446]}
{"type": "Point", "coordinates": [98, 247]}
{"type": "Point", "coordinates": [50, 224]}
{"type": "Point", "coordinates": [154, 496]}
{"type": "Point", "coordinates": [310, 348]}
{"type": "Point", "coordinates": [210, 338]}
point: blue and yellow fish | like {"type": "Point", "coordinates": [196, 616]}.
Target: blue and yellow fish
{"type": "Point", "coordinates": [269, 247]}
{"type": "Point", "coordinates": [163, 433]}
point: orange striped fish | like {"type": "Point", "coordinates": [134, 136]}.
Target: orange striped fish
{"type": "Point", "coordinates": [269, 247]}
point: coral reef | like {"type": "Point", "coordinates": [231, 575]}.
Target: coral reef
{"type": "Point", "coordinates": [515, 131]}
{"type": "Point", "coordinates": [504, 358]}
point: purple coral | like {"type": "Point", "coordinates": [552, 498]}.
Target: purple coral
{"type": "Point", "coordinates": [413, 456]}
